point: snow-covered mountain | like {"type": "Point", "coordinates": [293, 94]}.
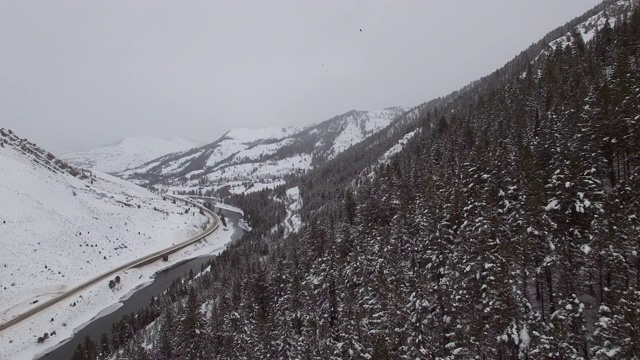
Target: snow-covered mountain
{"type": "Point", "coordinates": [249, 160]}
{"type": "Point", "coordinates": [60, 225]}
{"type": "Point", "coordinates": [610, 12]}
{"type": "Point", "coordinates": [127, 153]}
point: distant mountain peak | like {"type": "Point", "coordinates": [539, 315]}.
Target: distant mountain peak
{"type": "Point", "coordinates": [263, 156]}
{"type": "Point", "coordinates": [127, 153]}
{"type": "Point", "coordinates": [135, 140]}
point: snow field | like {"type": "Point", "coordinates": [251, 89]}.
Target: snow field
{"type": "Point", "coordinates": [360, 126]}
{"type": "Point", "coordinates": [398, 147]}
{"type": "Point", "coordinates": [57, 231]}
{"type": "Point", "coordinates": [268, 169]}
{"type": "Point", "coordinates": [19, 342]}
{"type": "Point", "coordinates": [293, 221]}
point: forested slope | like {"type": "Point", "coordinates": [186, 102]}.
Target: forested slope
{"type": "Point", "coordinates": [506, 228]}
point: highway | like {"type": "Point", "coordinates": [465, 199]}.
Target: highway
{"type": "Point", "coordinates": [213, 226]}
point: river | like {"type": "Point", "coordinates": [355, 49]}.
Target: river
{"type": "Point", "coordinates": [138, 299]}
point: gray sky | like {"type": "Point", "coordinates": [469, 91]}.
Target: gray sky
{"type": "Point", "coordinates": [76, 74]}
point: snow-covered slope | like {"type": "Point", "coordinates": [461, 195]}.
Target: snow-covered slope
{"type": "Point", "coordinates": [60, 226]}
{"type": "Point", "coordinates": [611, 12]}
{"type": "Point", "coordinates": [249, 160]}
{"type": "Point", "coordinates": [293, 201]}
{"type": "Point", "coordinates": [397, 148]}
{"type": "Point", "coordinates": [127, 153]}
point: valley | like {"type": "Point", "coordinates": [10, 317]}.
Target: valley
{"type": "Point", "coordinates": [47, 207]}
{"type": "Point", "coordinates": [498, 221]}
{"type": "Point", "coordinates": [140, 297]}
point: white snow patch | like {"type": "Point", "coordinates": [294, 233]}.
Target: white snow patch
{"type": "Point", "coordinates": [398, 147]}
{"type": "Point", "coordinates": [553, 205]}
{"type": "Point", "coordinates": [361, 125]}
{"type": "Point", "coordinates": [293, 221]}
{"type": "Point", "coordinates": [525, 339]}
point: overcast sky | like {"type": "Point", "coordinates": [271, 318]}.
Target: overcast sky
{"type": "Point", "coordinates": [80, 74]}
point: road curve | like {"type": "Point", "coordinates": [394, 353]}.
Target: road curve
{"type": "Point", "coordinates": [215, 223]}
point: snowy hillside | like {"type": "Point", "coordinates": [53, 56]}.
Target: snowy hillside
{"type": "Point", "coordinates": [613, 12]}
{"type": "Point", "coordinates": [127, 153]}
{"type": "Point", "coordinates": [248, 160]}
{"type": "Point", "coordinates": [397, 148]}
{"type": "Point", "coordinates": [60, 226]}
{"type": "Point", "coordinates": [293, 201]}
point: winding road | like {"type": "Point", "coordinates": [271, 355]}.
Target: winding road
{"type": "Point", "coordinates": [213, 226]}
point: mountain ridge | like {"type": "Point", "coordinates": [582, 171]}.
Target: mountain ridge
{"type": "Point", "coordinates": [263, 156]}
{"type": "Point", "coordinates": [127, 152]}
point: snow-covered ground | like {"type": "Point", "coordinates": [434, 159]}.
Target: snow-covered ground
{"type": "Point", "coordinates": [243, 188]}
{"type": "Point", "coordinates": [257, 151]}
{"type": "Point", "coordinates": [235, 147]}
{"type": "Point", "coordinates": [397, 147]}
{"type": "Point", "coordinates": [293, 221]}
{"type": "Point", "coordinates": [239, 141]}
{"type": "Point", "coordinates": [59, 230]}
{"type": "Point", "coordinates": [361, 125]}
{"type": "Point", "coordinates": [19, 342]}
{"type": "Point", "coordinates": [127, 153]}
{"type": "Point", "coordinates": [246, 136]}
{"type": "Point", "coordinates": [589, 28]}
{"type": "Point", "coordinates": [267, 169]}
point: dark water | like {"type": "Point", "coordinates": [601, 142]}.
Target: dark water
{"type": "Point", "coordinates": [140, 298]}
